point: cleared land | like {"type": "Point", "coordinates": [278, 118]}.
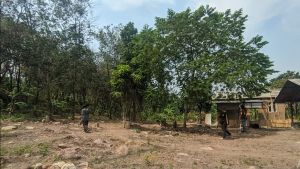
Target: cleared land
{"type": "Point", "coordinates": [146, 146]}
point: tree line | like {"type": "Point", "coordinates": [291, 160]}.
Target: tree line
{"type": "Point", "coordinates": [176, 66]}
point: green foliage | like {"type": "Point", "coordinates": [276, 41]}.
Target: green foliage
{"type": "Point", "coordinates": [279, 81]}
{"type": "Point", "coordinates": [43, 149]}
{"type": "Point", "coordinates": [22, 150]}
{"type": "Point", "coordinates": [17, 117]}
{"type": "Point", "coordinates": [49, 68]}
{"type": "Point", "coordinates": [214, 112]}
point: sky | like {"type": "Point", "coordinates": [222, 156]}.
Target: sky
{"type": "Point", "coordinates": [278, 21]}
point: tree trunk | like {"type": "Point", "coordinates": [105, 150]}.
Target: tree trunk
{"type": "Point", "coordinates": [19, 78]}
{"type": "Point", "coordinates": [185, 116]}
{"type": "Point", "coordinates": [74, 93]}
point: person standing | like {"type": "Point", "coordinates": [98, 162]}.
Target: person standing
{"type": "Point", "coordinates": [243, 118]}
{"type": "Point", "coordinates": [85, 118]}
{"type": "Point", "coordinates": [223, 121]}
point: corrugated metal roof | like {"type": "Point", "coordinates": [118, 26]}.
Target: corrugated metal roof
{"type": "Point", "coordinates": [296, 81]}
{"type": "Point", "coordinates": [273, 93]}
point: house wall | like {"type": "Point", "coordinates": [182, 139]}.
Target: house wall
{"type": "Point", "coordinates": [274, 118]}
{"type": "Point", "coordinates": [232, 110]}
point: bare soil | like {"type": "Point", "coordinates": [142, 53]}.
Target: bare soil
{"type": "Point", "coordinates": [109, 145]}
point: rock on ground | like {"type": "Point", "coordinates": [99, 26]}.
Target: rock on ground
{"type": "Point", "coordinates": [38, 166]}
{"type": "Point", "coordinates": [68, 166]}
{"type": "Point", "coordinates": [7, 128]}
{"type": "Point", "coordinates": [83, 165]}
{"type": "Point", "coordinates": [182, 154]}
{"type": "Point", "coordinates": [63, 146]}
{"type": "Point", "coordinates": [122, 150]}
{"type": "Point", "coordinates": [70, 153]}
{"type": "Point", "coordinates": [29, 128]}
{"type": "Point", "coordinates": [57, 165]}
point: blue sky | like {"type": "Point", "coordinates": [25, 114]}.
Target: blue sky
{"type": "Point", "coordinates": [277, 20]}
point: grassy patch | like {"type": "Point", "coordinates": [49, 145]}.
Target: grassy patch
{"type": "Point", "coordinates": [20, 150]}
{"type": "Point", "coordinates": [43, 149]}
{"type": "Point", "coordinates": [252, 162]}
{"type": "Point", "coordinates": [14, 117]}
{"type": "Point", "coordinates": [3, 151]}
{"type": "Point", "coordinates": [40, 149]}
{"type": "Point", "coordinates": [147, 160]}
{"type": "Point", "coordinates": [226, 162]}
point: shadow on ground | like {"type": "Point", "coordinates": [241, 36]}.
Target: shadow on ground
{"type": "Point", "coordinates": [212, 131]}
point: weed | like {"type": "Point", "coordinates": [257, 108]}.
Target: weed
{"type": "Point", "coordinates": [252, 162]}
{"type": "Point", "coordinates": [22, 150]}
{"type": "Point", "coordinates": [3, 151]}
{"type": "Point", "coordinates": [43, 149]}
{"type": "Point", "coordinates": [57, 157]}
{"type": "Point", "coordinates": [147, 160]}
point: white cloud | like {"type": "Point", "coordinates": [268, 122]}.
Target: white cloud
{"type": "Point", "coordinates": [122, 5]}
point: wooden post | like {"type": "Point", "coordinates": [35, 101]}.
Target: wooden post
{"type": "Point", "coordinates": [292, 113]}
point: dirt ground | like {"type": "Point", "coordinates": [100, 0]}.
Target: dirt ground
{"type": "Point", "coordinates": [109, 145]}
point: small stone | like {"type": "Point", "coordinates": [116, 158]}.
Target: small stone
{"type": "Point", "coordinates": [83, 165]}
{"type": "Point", "coordinates": [145, 132]}
{"type": "Point", "coordinates": [29, 128]}
{"type": "Point", "coordinates": [18, 124]}
{"type": "Point", "coordinates": [38, 166]}
{"type": "Point", "coordinates": [252, 167]}
{"type": "Point", "coordinates": [11, 142]}
{"type": "Point", "coordinates": [98, 141]}
{"type": "Point", "coordinates": [70, 153]}
{"type": "Point", "coordinates": [175, 134]}
{"type": "Point", "coordinates": [7, 128]}
{"type": "Point", "coordinates": [63, 146]}
{"type": "Point", "coordinates": [26, 155]}
{"type": "Point", "coordinates": [122, 150]}
{"type": "Point", "coordinates": [56, 123]}
{"type": "Point", "coordinates": [182, 154]}
{"type": "Point", "coordinates": [207, 148]}
{"type": "Point", "coordinates": [57, 165]}
{"type": "Point", "coordinates": [68, 166]}
{"type": "Point", "coordinates": [46, 166]}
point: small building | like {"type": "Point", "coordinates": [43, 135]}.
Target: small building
{"type": "Point", "coordinates": [290, 94]}
{"type": "Point", "coordinates": [261, 110]}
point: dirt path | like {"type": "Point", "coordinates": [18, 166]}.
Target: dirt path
{"type": "Point", "coordinates": [111, 146]}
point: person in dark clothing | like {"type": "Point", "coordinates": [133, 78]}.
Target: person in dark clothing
{"type": "Point", "coordinates": [223, 122]}
{"type": "Point", "coordinates": [85, 118]}
{"type": "Point", "coordinates": [243, 118]}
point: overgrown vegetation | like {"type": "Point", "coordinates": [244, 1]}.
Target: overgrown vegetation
{"type": "Point", "coordinates": [39, 149]}
{"type": "Point", "coordinates": [164, 72]}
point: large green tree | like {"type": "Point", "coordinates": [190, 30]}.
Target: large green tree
{"type": "Point", "coordinates": [207, 49]}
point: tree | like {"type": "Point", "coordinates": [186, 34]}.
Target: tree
{"type": "Point", "coordinates": [279, 81]}
{"type": "Point", "coordinates": [207, 48]}
{"type": "Point", "coordinates": [108, 58]}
